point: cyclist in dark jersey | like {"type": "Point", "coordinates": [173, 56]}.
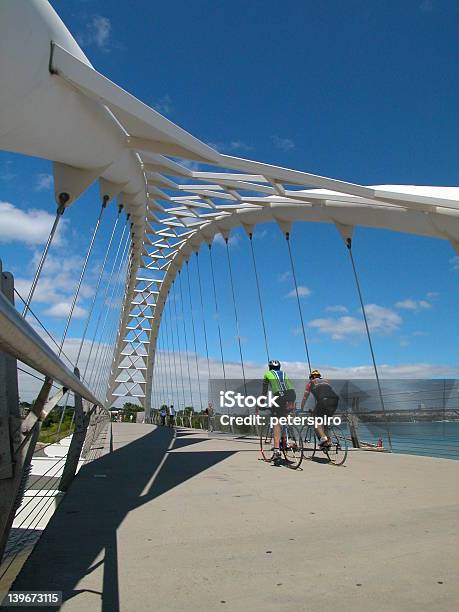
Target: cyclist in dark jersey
{"type": "Point", "coordinates": [326, 402]}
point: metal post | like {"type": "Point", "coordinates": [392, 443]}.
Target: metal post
{"type": "Point", "coordinates": [9, 397]}
{"type": "Point", "coordinates": [353, 424]}
{"type": "Point", "coordinates": [76, 444]}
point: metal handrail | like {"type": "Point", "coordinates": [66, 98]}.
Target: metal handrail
{"type": "Point", "coordinates": [19, 339]}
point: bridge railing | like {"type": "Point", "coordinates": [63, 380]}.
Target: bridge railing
{"type": "Point", "coordinates": [20, 431]}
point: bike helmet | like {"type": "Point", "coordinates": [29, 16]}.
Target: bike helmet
{"type": "Point", "coordinates": [274, 365]}
{"type": "Point", "coordinates": [315, 374]}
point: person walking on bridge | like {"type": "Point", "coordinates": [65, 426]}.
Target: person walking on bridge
{"type": "Point", "coordinates": [171, 416]}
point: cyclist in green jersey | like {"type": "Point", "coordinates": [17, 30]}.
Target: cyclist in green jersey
{"type": "Point", "coordinates": [277, 381]}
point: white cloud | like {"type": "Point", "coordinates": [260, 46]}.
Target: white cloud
{"type": "Point", "coordinates": [44, 182]}
{"type": "Point", "coordinates": [61, 310]}
{"type": "Point", "coordinates": [30, 226]}
{"type": "Point", "coordinates": [284, 144]}
{"type": "Point", "coordinates": [260, 234]}
{"type": "Point", "coordinates": [234, 146]}
{"type": "Point", "coordinates": [57, 284]}
{"type": "Point", "coordinates": [454, 261]}
{"type": "Point", "coordinates": [97, 32]}
{"type": "Point", "coordinates": [296, 370]}
{"type": "Point", "coordinates": [432, 295]}
{"type": "Point", "coordinates": [284, 276]}
{"type": "Point", "coordinates": [29, 387]}
{"type": "Point", "coordinates": [380, 319]}
{"type": "Point", "coordinates": [238, 145]}
{"type": "Point", "coordinates": [232, 241]}
{"type": "Point", "coordinates": [337, 308]}
{"type": "Point", "coordinates": [414, 305]}
{"type": "Point", "coordinates": [164, 105]}
{"type": "Point", "coordinates": [302, 292]}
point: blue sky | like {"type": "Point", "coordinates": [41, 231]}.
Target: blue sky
{"type": "Point", "coordinates": [362, 91]}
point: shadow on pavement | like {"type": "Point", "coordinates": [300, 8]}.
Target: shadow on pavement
{"type": "Point", "coordinates": [82, 533]}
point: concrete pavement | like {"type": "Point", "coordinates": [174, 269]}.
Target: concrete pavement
{"type": "Point", "coordinates": [165, 523]}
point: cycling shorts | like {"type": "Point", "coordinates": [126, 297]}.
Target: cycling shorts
{"type": "Point", "coordinates": [286, 404]}
{"type": "Point", "coordinates": [326, 407]}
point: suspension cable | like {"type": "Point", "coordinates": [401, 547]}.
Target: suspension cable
{"type": "Point", "coordinates": [104, 299]}
{"type": "Point", "coordinates": [367, 327]}
{"type": "Point", "coordinates": [202, 312]}
{"type": "Point", "coordinates": [83, 272]}
{"type": "Point", "coordinates": [110, 326]}
{"type": "Point", "coordinates": [48, 333]}
{"type": "Point", "coordinates": [166, 391]}
{"type": "Point", "coordinates": [287, 238]}
{"type": "Point", "coordinates": [194, 333]}
{"type": "Point", "coordinates": [186, 337]}
{"type": "Point", "coordinates": [165, 384]}
{"type": "Point", "coordinates": [169, 349]}
{"type": "Point", "coordinates": [60, 211]}
{"type": "Point", "coordinates": [178, 344]}
{"type": "Point", "coordinates": [217, 314]}
{"type": "Point", "coordinates": [260, 302]}
{"type": "Point", "coordinates": [159, 370]}
{"type": "Point", "coordinates": [116, 293]}
{"type": "Point", "coordinates": [171, 329]}
{"type": "Point", "coordinates": [113, 329]}
{"type": "Point", "coordinates": [117, 330]}
{"type": "Point", "coordinates": [238, 332]}
{"type": "Point", "coordinates": [99, 280]}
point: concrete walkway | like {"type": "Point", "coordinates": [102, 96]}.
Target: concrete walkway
{"type": "Point", "coordinates": [192, 523]}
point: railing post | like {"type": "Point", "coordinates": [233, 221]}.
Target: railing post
{"type": "Point", "coordinates": [353, 423]}
{"type": "Point", "coordinates": [77, 441]}
{"type": "Point", "coordinates": [11, 465]}
{"type": "Point", "coordinates": [10, 417]}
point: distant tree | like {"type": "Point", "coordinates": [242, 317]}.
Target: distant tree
{"type": "Point", "coordinates": [132, 407]}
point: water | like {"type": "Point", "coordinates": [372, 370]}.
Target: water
{"type": "Point", "coordinates": [420, 412]}
{"type": "Point", "coordinates": [434, 439]}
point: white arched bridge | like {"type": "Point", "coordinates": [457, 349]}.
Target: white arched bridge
{"type": "Point", "coordinates": [164, 195]}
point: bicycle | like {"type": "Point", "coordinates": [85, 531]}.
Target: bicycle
{"type": "Point", "coordinates": [336, 453]}
{"type": "Point", "coordinates": [291, 445]}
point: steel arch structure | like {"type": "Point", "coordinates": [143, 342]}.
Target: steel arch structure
{"type": "Point", "coordinates": [55, 105]}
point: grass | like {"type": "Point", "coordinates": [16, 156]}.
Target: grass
{"type": "Point", "coordinates": [49, 430]}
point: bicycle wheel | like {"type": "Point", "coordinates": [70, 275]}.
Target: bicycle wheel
{"type": "Point", "coordinates": [267, 443]}
{"type": "Point", "coordinates": [308, 436]}
{"type": "Point", "coordinates": [337, 452]}
{"type": "Point", "coordinates": [292, 447]}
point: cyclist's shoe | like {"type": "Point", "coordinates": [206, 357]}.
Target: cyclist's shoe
{"type": "Point", "coordinates": [277, 459]}
{"type": "Point", "coordinates": [325, 444]}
